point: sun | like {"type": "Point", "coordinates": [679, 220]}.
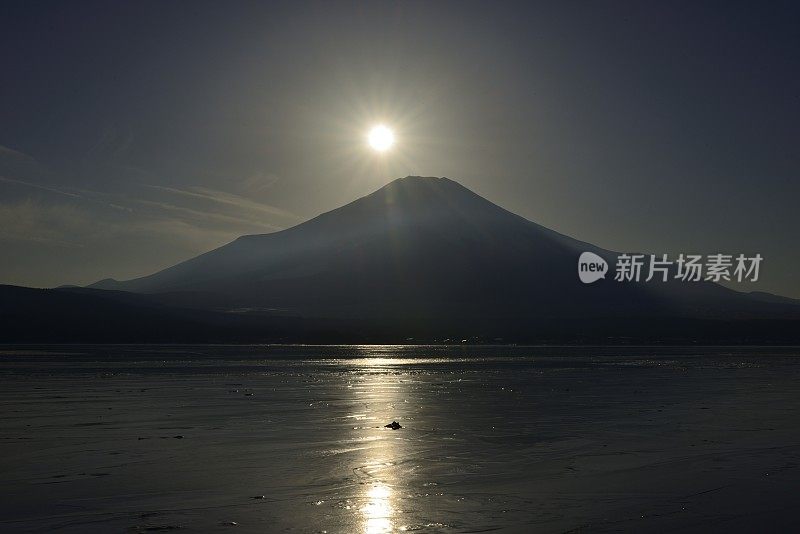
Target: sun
{"type": "Point", "coordinates": [380, 138]}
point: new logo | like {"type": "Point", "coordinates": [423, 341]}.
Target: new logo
{"type": "Point", "coordinates": [591, 267]}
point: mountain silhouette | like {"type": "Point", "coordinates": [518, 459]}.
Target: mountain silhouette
{"type": "Point", "coordinates": [418, 247]}
{"type": "Point", "coordinates": [417, 237]}
{"type": "Point", "coordinates": [422, 253]}
{"type": "Point", "coordinates": [427, 258]}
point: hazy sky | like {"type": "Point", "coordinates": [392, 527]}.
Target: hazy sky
{"type": "Point", "coordinates": [135, 135]}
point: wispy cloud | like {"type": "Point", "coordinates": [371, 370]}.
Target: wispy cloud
{"type": "Point", "coordinates": [239, 214]}
{"type": "Point", "coordinates": [76, 193]}
{"type": "Point", "coordinates": [8, 151]}
{"type": "Point", "coordinates": [67, 225]}
{"type": "Point", "coordinates": [127, 229]}
{"type": "Point", "coordinates": [121, 227]}
{"type": "Point", "coordinates": [205, 217]}
{"type": "Point", "coordinates": [41, 187]}
{"type": "Point", "coordinates": [228, 199]}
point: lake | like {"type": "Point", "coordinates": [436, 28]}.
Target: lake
{"type": "Point", "coordinates": [293, 439]}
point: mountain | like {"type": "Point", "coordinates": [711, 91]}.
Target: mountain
{"type": "Point", "coordinates": [416, 248]}
{"type": "Point", "coordinates": [422, 258]}
{"type": "Point", "coordinates": [427, 255]}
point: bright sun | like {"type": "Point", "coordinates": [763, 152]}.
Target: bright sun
{"type": "Point", "coordinates": [381, 138]}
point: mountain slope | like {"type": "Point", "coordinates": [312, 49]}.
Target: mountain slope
{"type": "Point", "coordinates": [427, 251]}
{"type": "Point", "coordinates": [393, 218]}
{"type": "Point", "coordinates": [417, 243]}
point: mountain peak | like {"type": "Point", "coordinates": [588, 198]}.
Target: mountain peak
{"type": "Point", "coordinates": [424, 190]}
{"type": "Point", "coordinates": [413, 179]}
{"type": "Point", "coordinates": [422, 183]}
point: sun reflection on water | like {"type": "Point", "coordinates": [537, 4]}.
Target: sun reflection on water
{"type": "Point", "coordinates": [380, 392]}
{"type": "Point", "coordinates": [378, 510]}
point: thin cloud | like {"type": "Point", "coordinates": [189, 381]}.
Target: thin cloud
{"type": "Point", "coordinates": [39, 186]}
{"type": "Point", "coordinates": [228, 199]}
{"type": "Point", "coordinates": [82, 194]}
{"type": "Point", "coordinates": [205, 216]}
{"type": "Point", "coordinates": [4, 150]}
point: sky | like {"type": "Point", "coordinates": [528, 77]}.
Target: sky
{"type": "Point", "coordinates": [136, 135]}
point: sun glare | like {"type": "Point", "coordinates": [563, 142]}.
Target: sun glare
{"type": "Point", "coordinates": [381, 138]}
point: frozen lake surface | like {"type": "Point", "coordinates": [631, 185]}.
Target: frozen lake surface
{"type": "Point", "coordinates": [292, 439]}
